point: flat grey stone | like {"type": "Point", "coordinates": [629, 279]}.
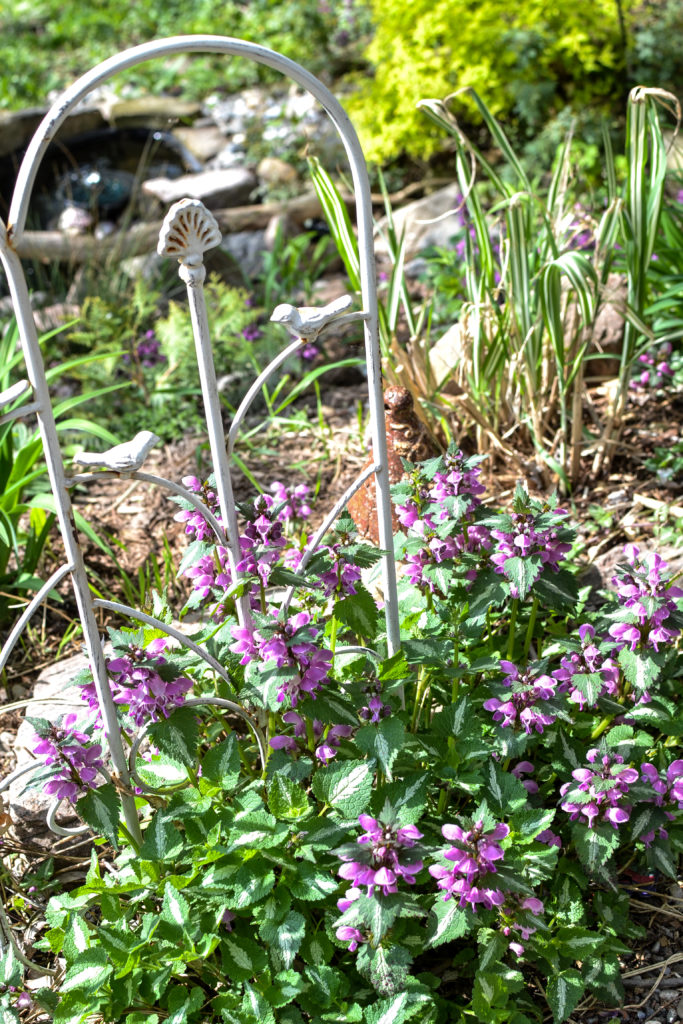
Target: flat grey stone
{"type": "Point", "coordinates": [230, 186]}
{"type": "Point", "coordinates": [432, 220]}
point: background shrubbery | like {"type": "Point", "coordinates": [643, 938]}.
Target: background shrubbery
{"type": "Point", "coordinates": [528, 62]}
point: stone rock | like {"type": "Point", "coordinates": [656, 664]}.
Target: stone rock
{"type": "Point", "coordinates": [281, 226]}
{"type": "Point", "coordinates": [274, 171]}
{"type": "Point", "coordinates": [607, 335]}
{"type": "Point", "coordinates": [151, 111]}
{"type": "Point", "coordinates": [444, 356]}
{"type": "Point", "coordinates": [202, 140]}
{"type": "Point", "coordinates": [216, 189]}
{"type": "Point", "coordinates": [246, 248]}
{"type": "Point", "coordinates": [17, 127]}
{"type": "Point", "coordinates": [432, 220]}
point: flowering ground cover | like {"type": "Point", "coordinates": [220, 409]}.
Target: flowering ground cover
{"type": "Point", "coordinates": [442, 833]}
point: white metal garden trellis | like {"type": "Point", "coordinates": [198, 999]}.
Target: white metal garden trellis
{"type": "Point", "coordinates": [188, 230]}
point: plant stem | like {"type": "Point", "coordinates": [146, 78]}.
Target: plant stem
{"type": "Point", "coordinates": [513, 623]}
{"type": "Point", "coordinates": [530, 629]}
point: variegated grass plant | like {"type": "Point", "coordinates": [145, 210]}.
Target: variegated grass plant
{"type": "Point", "coordinates": [526, 325]}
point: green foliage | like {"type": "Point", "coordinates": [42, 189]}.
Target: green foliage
{"type": "Point", "coordinates": [526, 62]}
{"type": "Point", "coordinates": [245, 900]}
{"type": "Point", "coordinates": [26, 502]}
{"type": "Point", "coordinates": [161, 394]}
{"type": "Point", "coordinates": [47, 44]}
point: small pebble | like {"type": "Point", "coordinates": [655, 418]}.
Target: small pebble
{"type": "Point", "coordinates": [657, 946]}
{"type": "Point", "coordinates": [679, 1008]}
{"type": "Point", "coordinates": [671, 1016]}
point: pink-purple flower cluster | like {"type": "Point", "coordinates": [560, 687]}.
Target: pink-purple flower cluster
{"type": "Point", "coordinates": [473, 856]}
{"type": "Point", "coordinates": [262, 544]}
{"type": "Point", "coordinates": [524, 706]}
{"type": "Point", "coordinates": [375, 709]}
{"type": "Point", "coordinates": [525, 538]}
{"type": "Point", "coordinates": [655, 371]}
{"type": "Point", "coordinates": [76, 759]}
{"type": "Point", "coordinates": [294, 501]}
{"type": "Point", "coordinates": [647, 595]}
{"type": "Point", "coordinates": [601, 790]}
{"type": "Point", "coordinates": [326, 739]}
{"type": "Point", "coordinates": [450, 496]}
{"type": "Point", "coordinates": [382, 856]}
{"type": "Point", "coordinates": [667, 792]}
{"type": "Point", "coordinates": [514, 929]}
{"type": "Point", "coordinates": [136, 683]}
{"type": "Point", "coordinates": [588, 661]}
{"type": "Point", "coordinates": [290, 645]}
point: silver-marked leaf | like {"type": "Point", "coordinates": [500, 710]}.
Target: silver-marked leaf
{"type": "Point", "coordinates": [10, 968]}
{"type": "Point", "coordinates": [446, 922]}
{"type": "Point", "coordinates": [77, 938]}
{"type": "Point", "coordinates": [285, 937]}
{"type": "Point", "coordinates": [346, 786]}
{"type": "Point", "coordinates": [162, 839]}
{"type": "Point", "coordinates": [101, 808]}
{"type": "Point", "coordinates": [177, 736]}
{"type": "Point", "coordinates": [89, 973]}
{"type": "Point", "coordinates": [523, 572]}
{"type": "Point", "coordinates": [175, 910]}
{"type": "Point", "coordinates": [222, 763]}
{"type": "Point", "coordinates": [287, 799]}
{"type": "Point", "coordinates": [563, 993]}
{"type": "Point", "coordinates": [312, 884]}
{"type": "Point", "coordinates": [242, 957]}
{"type": "Point", "coordinates": [383, 741]}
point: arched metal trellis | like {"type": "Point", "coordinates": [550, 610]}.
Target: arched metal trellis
{"type": "Point", "coordinates": [188, 230]}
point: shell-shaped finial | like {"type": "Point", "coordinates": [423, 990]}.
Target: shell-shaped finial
{"type": "Point", "coordinates": [188, 231]}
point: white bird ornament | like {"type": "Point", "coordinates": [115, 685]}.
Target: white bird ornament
{"type": "Point", "coordinates": [308, 321]}
{"type": "Point", "coordinates": [127, 457]}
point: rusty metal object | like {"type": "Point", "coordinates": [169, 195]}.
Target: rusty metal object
{"type": "Point", "coordinates": [407, 438]}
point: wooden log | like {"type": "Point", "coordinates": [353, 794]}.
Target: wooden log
{"type": "Point", "coordinates": [139, 238]}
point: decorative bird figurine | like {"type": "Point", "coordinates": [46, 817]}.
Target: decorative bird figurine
{"type": "Point", "coordinates": [308, 321]}
{"type": "Point", "coordinates": [127, 457]}
{"type": "Point", "coordinates": [407, 438]}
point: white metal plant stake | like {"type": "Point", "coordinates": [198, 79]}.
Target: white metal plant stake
{"type": "Point", "coordinates": [187, 232]}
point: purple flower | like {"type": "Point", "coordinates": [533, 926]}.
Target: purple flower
{"type": "Point", "coordinates": [514, 929]}
{"type": "Point", "coordinates": [294, 500]}
{"type": "Point", "coordinates": [521, 707]}
{"type": "Point", "coordinates": [588, 661]}
{"type": "Point", "coordinates": [473, 856]}
{"type": "Point", "coordinates": [342, 576]}
{"type": "Point", "coordinates": [525, 768]}
{"type": "Point", "coordinates": [76, 760]}
{"type": "Point", "coordinates": [136, 683]}
{"type": "Point", "coordinates": [251, 332]}
{"type": "Point", "coordinates": [383, 856]}
{"type": "Point", "coordinates": [330, 736]}
{"type": "Point", "coordinates": [647, 596]}
{"type": "Point", "coordinates": [599, 795]}
{"type": "Point", "coordinates": [290, 645]}
{"type": "Point", "coordinates": [351, 935]}
{"type": "Point", "coordinates": [525, 539]}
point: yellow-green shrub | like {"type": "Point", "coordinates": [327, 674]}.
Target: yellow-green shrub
{"type": "Point", "coordinates": [526, 61]}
